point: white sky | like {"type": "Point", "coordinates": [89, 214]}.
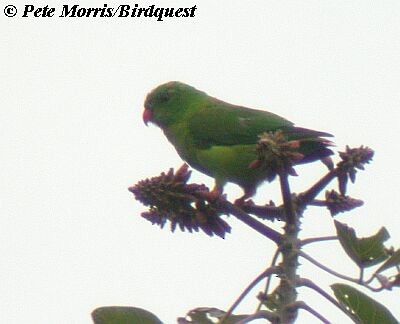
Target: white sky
{"type": "Point", "coordinates": [72, 142]}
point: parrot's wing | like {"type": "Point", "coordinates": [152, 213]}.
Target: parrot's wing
{"type": "Point", "coordinates": [225, 125]}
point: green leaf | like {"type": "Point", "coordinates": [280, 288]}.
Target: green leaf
{"type": "Point", "coordinates": [366, 251]}
{"type": "Point", "coordinates": [123, 315]}
{"type": "Point", "coordinates": [209, 315]}
{"type": "Point", "coordinates": [393, 261]}
{"type": "Point", "coordinates": [362, 308]}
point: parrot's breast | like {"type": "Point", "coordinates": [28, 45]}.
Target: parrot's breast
{"type": "Point", "coordinates": [224, 163]}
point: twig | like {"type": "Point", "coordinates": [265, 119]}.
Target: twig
{"type": "Point", "coordinates": [361, 277]}
{"type": "Point", "coordinates": [265, 230]}
{"type": "Point", "coordinates": [318, 203]}
{"type": "Point", "coordinates": [270, 316]}
{"type": "Point", "coordinates": [317, 239]}
{"type": "Point", "coordinates": [375, 275]}
{"type": "Point", "coordinates": [266, 273]}
{"type": "Point", "coordinates": [307, 196]}
{"type": "Point", "coordinates": [308, 283]}
{"type": "Point", "coordinates": [358, 281]}
{"type": "Point", "coordinates": [264, 212]}
{"type": "Point", "coordinates": [370, 279]}
{"type": "Point", "coordinates": [303, 305]}
{"type": "Point", "coordinates": [325, 268]}
{"type": "Point", "coordinates": [267, 285]}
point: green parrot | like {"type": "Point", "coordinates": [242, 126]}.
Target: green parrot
{"type": "Point", "coordinates": [218, 138]}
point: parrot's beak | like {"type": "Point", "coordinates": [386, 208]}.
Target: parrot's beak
{"type": "Point", "coordinates": [147, 116]}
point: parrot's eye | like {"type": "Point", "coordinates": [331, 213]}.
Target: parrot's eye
{"type": "Point", "coordinates": [164, 97]}
{"type": "Point", "coordinates": [148, 104]}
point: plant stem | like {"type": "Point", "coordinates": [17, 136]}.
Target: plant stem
{"type": "Point", "coordinates": [339, 275]}
{"type": "Point", "coordinates": [318, 203]}
{"type": "Point", "coordinates": [273, 235]}
{"type": "Point", "coordinates": [317, 239]}
{"type": "Point", "coordinates": [266, 273]}
{"type": "Point", "coordinates": [325, 268]}
{"type": "Point", "coordinates": [271, 317]}
{"type": "Point", "coordinates": [289, 252]}
{"type": "Point", "coordinates": [303, 305]}
{"type": "Point", "coordinates": [308, 283]}
{"type": "Point", "coordinates": [264, 212]}
{"type": "Point", "coordinates": [308, 196]}
{"type": "Point", "coordinates": [361, 278]}
{"type": "Point", "coordinates": [287, 199]}
{"type": "Point", "coordinates": [268, 283]}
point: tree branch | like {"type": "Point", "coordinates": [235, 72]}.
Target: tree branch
{"type": "Point", "coordinates": [266, 273]}
{"type": "Point", "coordinates": [303, 305]}
{"type": "Point", "coordinates": [318, 203]}
{"type": "Point", "coordinates": [228, 207]}
{"type": "Point", "coordinates": [289, 250]}
{"type": "Point", "coordinates": [268, 283]}
{"type": "Point", "coordinates": [308, 283]}
{"type": "Point", "coordinates": [317, 239]}
{"type": "Point", "coordinates": [264, 212]}
{"type": "Point", "coordinates": [309, 195]}
{"type": "Point", "coordinates": [290, 215]}
{"type": "Point", "coordinates": [325, 268]}
{"type": "Point", "coordinates": [358, 281]}
{"type": "Point", "coordinates": [270, 316]}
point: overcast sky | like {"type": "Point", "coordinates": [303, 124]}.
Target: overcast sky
{"type": "Point", "coordinates": [72, 142]}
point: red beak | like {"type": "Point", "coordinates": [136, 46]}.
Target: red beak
{"type": "Point", "coordinates": [147, 116]}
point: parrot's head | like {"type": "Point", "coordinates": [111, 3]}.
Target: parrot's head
{"type": "Point", "coordinates": [168, 103]}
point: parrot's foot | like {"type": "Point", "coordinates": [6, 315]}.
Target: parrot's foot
{"type": "Point", "coordinates": [211, 195]}
{"type": "Point", "coordinates": [248, 192]}
{"type": "Point", "coordinates": [214, 194]}
{"type": "Point", "coordinates": [242, 202]}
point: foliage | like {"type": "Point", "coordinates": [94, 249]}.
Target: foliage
{"type": "Point", "coordinates": [193, 207]}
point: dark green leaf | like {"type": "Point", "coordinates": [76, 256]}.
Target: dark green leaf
{"type": "Point", "coordinates": [366, 251]}
{"type": "Point", "coordinates": [123, 315]}
{"type": "Point", "coordinates": [362, 308]}
{"type": "Point", "coordinates": [393, 261]}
